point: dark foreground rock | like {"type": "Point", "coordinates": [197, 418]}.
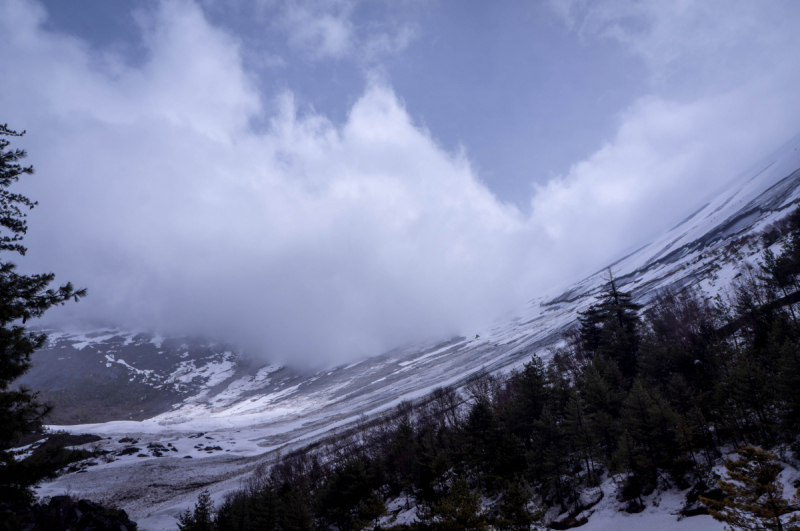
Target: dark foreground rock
{"type": "Point", "coordinates": [62, 513]}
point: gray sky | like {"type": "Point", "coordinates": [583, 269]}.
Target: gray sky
{"type": "Point", "coordinates": [325, 180]}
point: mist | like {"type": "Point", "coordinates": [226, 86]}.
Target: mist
{"type": "Point", "coordinates": [189, 202]}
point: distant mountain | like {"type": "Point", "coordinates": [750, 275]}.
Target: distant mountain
{"type": "Point", "coordinates": [207, 402]}
{"type": "Point", "coordinates": [113, 375]}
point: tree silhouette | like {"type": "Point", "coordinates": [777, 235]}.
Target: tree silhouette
{"type": "Point", "coordinates": [22, 297]}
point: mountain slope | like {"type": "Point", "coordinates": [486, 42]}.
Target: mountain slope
{"type": "Point", "coordinates": [231, 417]}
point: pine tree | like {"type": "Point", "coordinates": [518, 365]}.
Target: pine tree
{"type": "Point", "coordinates": [264, 510]}
{"type": "Point", "coordinates": [234, 512]}
{"type": "Point", "coordinates": [634, 459]}
{"type": "Point", "coordinates": [678, 340]}
{"type": "Point", "coordinates": [650, 421]}
{"type": "Point", "coordinates": [548, 460]}
{"type": "Point", "coordinates": [201, 518]}
{"type": "Point", "coordinates": [530, 391]}
{"type": "Point", "coordinates": [649, 440]}
{"type": "Point", "coordinates": [482, 436]}
{"type": "Point", "coordinates": [460, 510]}
{"type": "Point", "coordinates": [514, 512]}
{"type": "Point", "coordinates": [22, 297]}
{"type": "Point", "coordinates": [294, 512]}
{"type": "Point", "coordinates": [401, 455]}
{"type": "Point", "coordinates": [781, 272]}
{"type": "Point", "coordinates": [579, 432]}
{"type": "Point", "coordinates": [602, 406]}
{"type": "Point", "coordinates": [431, 464]}
{"type": "Point", "coordinates": [754, 498]}
{"type": "Point", "coordinates": [750, 389]}
{"type": "Point", "coordinates": [779, 275]}
{"type": "Point", "coordinates": [610, 328]}
{"type": "Point", "coordinates": [790, 387]}
{"type": "Point", "coordinates": [347, 500]}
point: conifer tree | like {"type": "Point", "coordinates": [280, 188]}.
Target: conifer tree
{"type": "Point", "coordinates": [634, 459]}
{"type": "Point", "coordinates": [530, 388]}
{"type": "Point", "coordinates": [201, 518]}
{"type": "Point", "coordinates": [294, 513]}
{"type": "Point", "coordinates": [431, 463]}
{"type": "Point", "coordinates": [610, 328]}
{"type": "Point", "coordinates": [781, 272]}
{"type": "Point", "coordinates": [790, 387]}
{"type": "Point", "coordinates": [779, 275]}
{"type": "Point", "coordinates": [514, 512]}
{"type": "Point", "coordinates": [602, 406]}
{"type": "Point", "coordinates": [650, 422]}
{"type": "Point", "coordinates": [347, 499]}
{"type": "Point", "coordinates": [749, 389]}
{"type": "Point", "coordinates": [234, 512]}
{"type": "Point", "coordinates": [754, 498]}
{"type": "Point", "coordinates": [482, 438]}
{"type": "Point", "coordinates": [579, 432]}
{"type": "Point", "coordinates": [548, 460]}
{"type": "Point", "coordinates": [22, 297]}
{"type": "Point", "coordinates": [265, 510]}
{"type": "Point", "coordinates": [401, 455]}
{"type": "Point", "coordinates": [460, 510]}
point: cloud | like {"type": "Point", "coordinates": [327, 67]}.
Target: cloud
{"type": "Point", "coordinates": [666, 159]}
{"type": "Point", "coordinates": [714, 44]}
{"type": "Point", "coordinates": [308, 241]}
{"type": "Point", "coordinates": [722, 95]}
{"type": "Point", "coordinates": [382, 42]}
{"type": "Point", "coordinates": [324, 30]}
{"type": "Point", "coordinates": [314, 242]}
{"type": "Point", "coordinates": [330, 30]}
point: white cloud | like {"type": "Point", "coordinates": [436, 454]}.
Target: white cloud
{"type": "Point", "coordinates": [323, 29]}
{"type": "Point", "coordinates": [308, 240]}
{"type": "Point", "coordinates": [315, 242]}
{"type": "Point", "coordinates": [327, 30]}
{"type": "Point", "coordinates": [666, 158]}
{"type": "Point", "coordinates": [723, 94]}
{"type": "Point", "coordinates": [380, 43]}
{"type": "Point", "coordinates": [713, 44]}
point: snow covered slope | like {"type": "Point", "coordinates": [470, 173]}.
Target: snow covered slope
{"type": "Point", "coordinates": [109, 374]}
{"type": "Point", "coordinates": [244, 415]}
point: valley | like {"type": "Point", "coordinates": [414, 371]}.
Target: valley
{"type": "Point", "coordinates": [221, 416]}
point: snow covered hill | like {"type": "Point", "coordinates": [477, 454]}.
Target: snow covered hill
{"type": "Point", "coordinates": [215, 418]}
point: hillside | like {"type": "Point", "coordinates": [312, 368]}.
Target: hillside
{"type": "Point", "coordinates": [203, 401]}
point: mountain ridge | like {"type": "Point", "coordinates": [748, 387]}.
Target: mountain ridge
{"type": "Point", "coordinates": [255, 413]}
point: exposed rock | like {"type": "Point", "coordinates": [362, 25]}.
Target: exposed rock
{"type": "Point", "coordinates": [568, 523]}
{"type": "Point", "coordinates": [130, 450]}
{"type": "Point", "coordinates": [634, 507]}
{"type": "Point", "coordinates": [693, 506]}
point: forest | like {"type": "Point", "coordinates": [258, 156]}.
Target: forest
{"type": "Point", "coordinates": [653, 396]}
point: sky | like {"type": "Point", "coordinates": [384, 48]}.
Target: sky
{"type": "Point", "coordinates": [322, 181]}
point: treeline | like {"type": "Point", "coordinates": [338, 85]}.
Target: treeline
{"type": "Point", "coordinates": [650, 395]}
